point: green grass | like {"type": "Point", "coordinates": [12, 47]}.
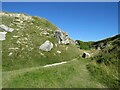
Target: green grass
{"type": "Point", "coordinates": [71, 75]}
{"type": "Point", "coordinates": [105, 66]}
{"type": "Point", "coordinates": [24, 57]}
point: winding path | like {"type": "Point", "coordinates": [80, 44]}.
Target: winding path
{"type": "Point", "coordinates": [34, 68]}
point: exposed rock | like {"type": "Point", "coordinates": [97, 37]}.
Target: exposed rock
{"type": "Point", "coordinates": [13, 48]}
{"type": "Point", "coordinates": [42, 54]}
{"type": "Point", "coordinates": [62, 37]}
{"type": "Point", "coordinates": [2, 35]}
{"type": "Point", "coordinates": [59, 52]}
{"type": "Point", "coordinates": [10, 54]}
{"type": "Point", "coordinates": [55, 44]}
{"type": "Point", "coordinates": [47, 46]}
{"type": "Point", "coordinates": [86, 55]}
{"type": "Point", "coordinates": [6, 28]}
{"type": "Point", "coordinates": [16, 36]}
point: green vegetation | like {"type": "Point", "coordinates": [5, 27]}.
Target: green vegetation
{"type": "Point", "coordinates": [104, 66]}
{"type": "Point", "coordinates": [71, 75]}
{"type": "Point", "coordinates": [23, 60]}
{"type": "Point", "coordinates": [25, 47]}
{"type": "Point", "coordinates": [83, 45]}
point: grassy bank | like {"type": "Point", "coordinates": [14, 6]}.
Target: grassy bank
{"type": "Point", "coordinates": [71, 75]}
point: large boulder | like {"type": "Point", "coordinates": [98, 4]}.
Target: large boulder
{"type": "Point", "coordinates": [62, 37]}
{"type": "Point", "coordinates": [86, 55]}
{"type": "Point", "coordinates": [46, 46]}
{"type": "Point", "coordinates": [6, 28]}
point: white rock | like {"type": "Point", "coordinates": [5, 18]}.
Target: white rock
{"type": "Point", "coordinates": [6, 28]}
{"type": "Point", "coordinates": [10, 54]}
{"type": "Point", "coordinates": [42, 54]}
{"type": "Point", "coordinates": [15, 36]}
{"type": "Point", "coordinates": [2, 35]}
{"type": "Point", "coordinates": [55, 44]}
{"type": "Point", "coordinates": [86, 55]}
{"type": "Point", "coordinates": [47, 46]}
{"type": "Point", "coordinates": [58, 51]}
{"type": "Point", "coordinates": [13, 48]}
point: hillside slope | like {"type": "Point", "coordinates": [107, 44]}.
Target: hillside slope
{"type": "Point", "coordinates": [105, 65]}
{"type": "Point", "coordinates": [21, 49]}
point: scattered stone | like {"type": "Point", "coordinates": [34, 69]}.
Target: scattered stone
{"type": "Point", "coordinates": [55, 44]}
{"type": "Point", "coordinates": [2, 35]}
{"type": "Point", "coordinates": [46, 46]}
{"type": "Point", "coordinates": [59, 52]}
{"type": "Point", "coordinates": [10, 54]}
{"type": "Point", "coordinates": [15, 36]}
{"type": "Point", "coordinates": [13, 48]}
{"type": "Point", "coordinates": [86, 55]}
{"type": "Point", "coordinates": [42, 54]}
{"type": "Point", "coordinates": [5, 28]}
{"type": "Point", "coordinates": [45, 33]}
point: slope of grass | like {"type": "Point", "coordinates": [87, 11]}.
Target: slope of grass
{"type": "Point", "coordinates": [30, 35]}
{"type": "Point", "coordinates": [71, 75]}
{"type": "Point", "coordinates": [105, 65]}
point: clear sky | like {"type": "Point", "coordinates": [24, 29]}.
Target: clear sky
{"type": "Point", "coordinates": [86, 21]}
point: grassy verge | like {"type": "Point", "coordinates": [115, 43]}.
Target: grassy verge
{"type": "Point", "coordinates": [105, 66]}
{"type": "Point", "coordinates": [71, 75]}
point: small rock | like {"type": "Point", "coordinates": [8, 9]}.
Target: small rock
{"type": "Point", "coordinates": [2, 35]}
{"type": "Point", "coordinates": [10, 54]}
{"type": "Point", "coordinates": [86, 55]}
{"type": "Point", "coordinates": [59, 52]}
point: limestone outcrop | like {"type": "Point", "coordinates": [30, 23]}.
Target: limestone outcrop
{"type": "Point", "coordinates": [62, 37]}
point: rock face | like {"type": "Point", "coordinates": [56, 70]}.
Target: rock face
{"type": "Point", "coordinates": [62, 37]}
{"type": "Point", "coordinates": [47, 46]}
{"type": "Point", "coordinates": [86, 55]}
{"type": "Point", "coordinates": [5, 28]}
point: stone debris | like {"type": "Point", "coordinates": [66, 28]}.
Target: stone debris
{"type": "Point", "coordinates": [42, 54]}
{"type": "Point", "coordinates": [59, 52]}
{"type": "Point", "coordinates": [55, 44]}
{"type": "Point", "coordinates": [2, 35]}
{"type": "Point", "coordinates": [10, 54]}
{"type": "Point", "coordinates": [46, 46]}
{"type": "Point", "coordinates": [16, 36]}
{"type": "Point", "coordinates": [6, 28]}
{"type": "Point", "coordinates": [13, 48]}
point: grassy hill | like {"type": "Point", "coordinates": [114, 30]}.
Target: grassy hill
{"type": "Point", "coordinates": [105, 65]}
{"type": "Point", "coordinates": [23, 62]}
{"type": "Point", "coordinates": [24, 42]}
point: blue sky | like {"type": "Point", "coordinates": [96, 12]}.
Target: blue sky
{"type": "Point", "coordinates": [86, 21]}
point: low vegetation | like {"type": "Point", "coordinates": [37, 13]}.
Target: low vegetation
{"type": "Point", "coordinates": [71, 75]}
{"type": "Point", "coordinates": [105, 65]}
{"type": "Point", "coordinates": [21, 47]}
{"type": "Point", "coordinates": [21, 51]}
